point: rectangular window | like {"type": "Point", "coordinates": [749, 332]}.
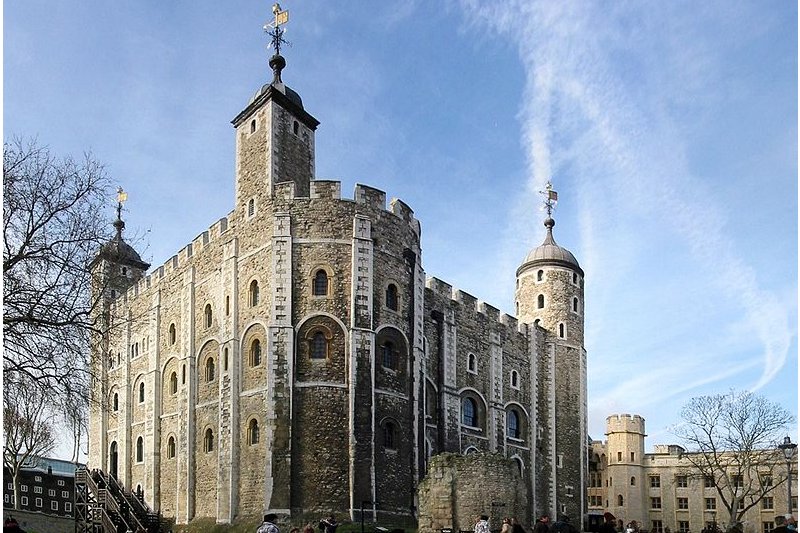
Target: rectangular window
{"type": "Point", "coordinates": [60, 482]}
{"type": "Point", "coordinates": [6, 498]}
{"type": "Point", "coordinates": [767, 503]}
{"type": "Point", "coordinates": [38, 502]}
{"type": "Point", "coordinates": [10, 486]}
{"type": "Point", "coordinates": [683, 503]}
{"type": "Point", "coordinates": [658, 527]}
{"type": "Point", "coordinates": [655, 482]}
{"type": "Point", "coordinates": [711, 504]}
{"type": "Point", "coordinates": [794, 503]}
{"type": "Point", "coordinates": [619, 457]}
{"type": "Point", "coordinates": [24, 501]}
{"type": "Point", "coordinates": [559, 461]}
{"type": "Point", "coordinates": [23, 488]}
{"type": "Point", "coordinates": [65, 494]}
{"type": "Point", "coordinates": [51, 493]}
{"type": "Point", "coordinates": [633, 456]}
{"type": "Point", "coordinates": [655, 503]}
{"type": "Point", "coordinates": [569, 490]}
{"type": "Point", "coordinates": [683, 526]}
{"type": "Point", "coordinates": [741, 505]}
{"type": "Point", "coordinates": [37, 490]}
{"type": "Point", "coordinates": [766, 527]}
{"type": "Point", "coordinates": [54, 505]}
{"type": "Point", "coordinates": [709, 482]}
{"type": "Point", "coordinates": [766, 480]}
{"type": "Point", "coordinates": [682, 482]}
{"type": "Point", "coordinates": [67, 507]}
{"type": "Point", "coordinates": [37, 479]}
{"type": "Point", "coordinates": [738, 481]}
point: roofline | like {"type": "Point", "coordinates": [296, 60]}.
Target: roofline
{"type": "Point", "coordinates": [549, 262]}
{"type": "Point", "coordinates": [281, 99]}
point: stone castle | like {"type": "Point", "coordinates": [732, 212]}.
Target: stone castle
{"type": "Point", "coordinates": [295, 357]}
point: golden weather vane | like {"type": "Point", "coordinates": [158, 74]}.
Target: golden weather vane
{"type": "Point", "coordinates": [274, 28]}
{"type": "Point", "coordinates": [550, 198]}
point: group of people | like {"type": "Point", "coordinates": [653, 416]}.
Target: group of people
{"type": "Point", "coordinates": [512, 525]}
{"type": "Point", "coordinates": [326, 525]}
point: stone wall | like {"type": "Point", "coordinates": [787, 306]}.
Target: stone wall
{"type": "Point", "coordinates": [460, 487]}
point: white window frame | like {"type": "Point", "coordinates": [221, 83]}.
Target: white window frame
{"type": "Point", "coordinates": [54, 505]}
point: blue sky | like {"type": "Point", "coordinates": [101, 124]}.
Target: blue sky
{"type": "Point", "coordinates": [669, 130]}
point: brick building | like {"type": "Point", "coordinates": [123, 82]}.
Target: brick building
{"type": "Point", "coordinates": [295, 357]}
{"type": "Point", "coordinates": [45, 486]}
{"type": "Point", "coordinates": [661, 490]}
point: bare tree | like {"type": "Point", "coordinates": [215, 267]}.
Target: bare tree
{"type": "Point", "coordinates": [53, 226]}
{"type": "Point", "coordinates": [731, 442]}
{"type": "Point", "coordinates": [27, 427]}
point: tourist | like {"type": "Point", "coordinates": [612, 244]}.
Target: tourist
{"type": "Point", "coordinates": [791, 524]}
{"type": "Point", "coordinates": [780, 525]}
{"type": "Point", "coordinates": [268, 525]}
{"type": "Point", "coordinates": [608, 525]}
{"type": "Point", "coordinates": [543, 525]}
{"type": "Point", "coordinates": [309, 528]}
{"type": "Point", "coordinates": [516, 527]}
{"type": "Point", "coordinates": [328, 525]}
{"type": "Point", "coordinates": [481, 524]}
{"type": "Point", "coordinates": [563, 525]}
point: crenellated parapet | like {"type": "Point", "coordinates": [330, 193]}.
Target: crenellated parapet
{"type": "Point", "coordinates": [625, 423]}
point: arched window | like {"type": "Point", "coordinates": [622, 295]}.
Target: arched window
{"type": "Point", "coordinates": [207, 316]}
{"type": "Point", "coordinates": [253, 295]}
{"type": "Point", "coordinates": [469, 413]}
{"type": "Point", "coordinates": [620, 500]}
{"type": "Point", "coordinates": [251, 207]}
{"type": "Point", "coordinates": [388, 359]}
{"type": "Point", "coordinates": [472, 363]}
{"type": "Point", "coordinates": [537, 322]}
{"type": "Point", "coordinates": [116, 401]}
{"type": "Point", "coordinates": [173, 335]}
{"type": "Point", "coordinates": [540, 301]}
{"type": "Point", "coordinates": [295, 127]}
{"type": "Point", "coordinates": [320, 285]}
{"type": "Point", "coordinates": [141, 392]}
{"type": "Point", "coordinates": [633, 481]}
{"type": "Point", "coordinates": [210, 374]}
{"type": "Point", "coordinates": [319, 346]}
{"type": "Point", "coordinates": [255, 353]}
{"type": "Point", "coordinates": [575, 278]}
{"type": "Point", "coordinates": [540, 275]}
{"type": "Point", "coordinates": [575, 305]}
{"type": "Point", "coordinates": [253, 126]}
{"type": "Point", "coordinates": [253, 435]}
{"type": "Point", "coordinates": [173, 383]}
{"type": "Point", "coordinates": [512, 424]}
{"type": "Point", "coordinates": [391, 297]}
{"type": "Point", "coordinates": [514, 379]}
{"type": "Point", "coordinates": [208, 441]}
{"type": "Point", "coordinates": [389, 433]}
{"type": "Point", "coordinates": [171, 448]}
{"type": "Point", "coordinates": [562, 330]}
{"type": "Point", "coordinates": [139, 450]}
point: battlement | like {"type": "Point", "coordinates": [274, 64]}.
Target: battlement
{"type": "Point", "coordinates": [470, 303]}
{"type": "Point", "coordinates": [183, 257]}
{"type": "Point", "coordinates": [332, 190]}
{"type": "Point", "coordinates": [625, 423]}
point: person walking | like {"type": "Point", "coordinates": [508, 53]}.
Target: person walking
{"type": "Point", "coordinates": [608, 525]}
{"type": "Point", "coordinates": [328, 525]}
{"type": "Point", "coordinates": [481, 524]}
{"type": "Point", "coordinates": [268, 525]}
{"type": "Point", "coordinates": [543, 525]}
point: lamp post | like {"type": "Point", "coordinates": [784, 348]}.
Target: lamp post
{"type": "Point", "coordinates": [789, 449]}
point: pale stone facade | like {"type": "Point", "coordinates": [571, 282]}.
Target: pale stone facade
{"type": "Point", "coordinates": [661, 490]}
{"type": "Point", "coordinates": [295, 357]}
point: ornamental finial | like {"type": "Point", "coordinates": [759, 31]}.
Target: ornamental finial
{"type": "Point", "coordinates": [550, 198]}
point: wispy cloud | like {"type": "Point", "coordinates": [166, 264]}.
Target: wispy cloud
{"type": "Point", "coordinates": [608, 93]}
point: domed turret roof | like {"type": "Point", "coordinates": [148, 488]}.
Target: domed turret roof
{"type": "Point", "coordinates": [550, 253]}
{"type": "Point", "coordinates": [120, 252]}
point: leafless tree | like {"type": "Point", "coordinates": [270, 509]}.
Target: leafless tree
{"type": "Point", "coordinates": [731, 443]}
{"type": "Point", "coordinates": [54, 223]}
{"type": "Point", "coordinates": [27, 426]}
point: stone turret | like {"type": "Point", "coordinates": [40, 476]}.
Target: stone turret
{"type": "Point", "coordinates": [625, 453]}
{"type": "Point", "coordinates": [274, 144]}
{"type": "Point", "coordinates": [549, 295]}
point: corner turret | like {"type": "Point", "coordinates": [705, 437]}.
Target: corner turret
{"type": "Point", "coordinates": [274, 136]}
